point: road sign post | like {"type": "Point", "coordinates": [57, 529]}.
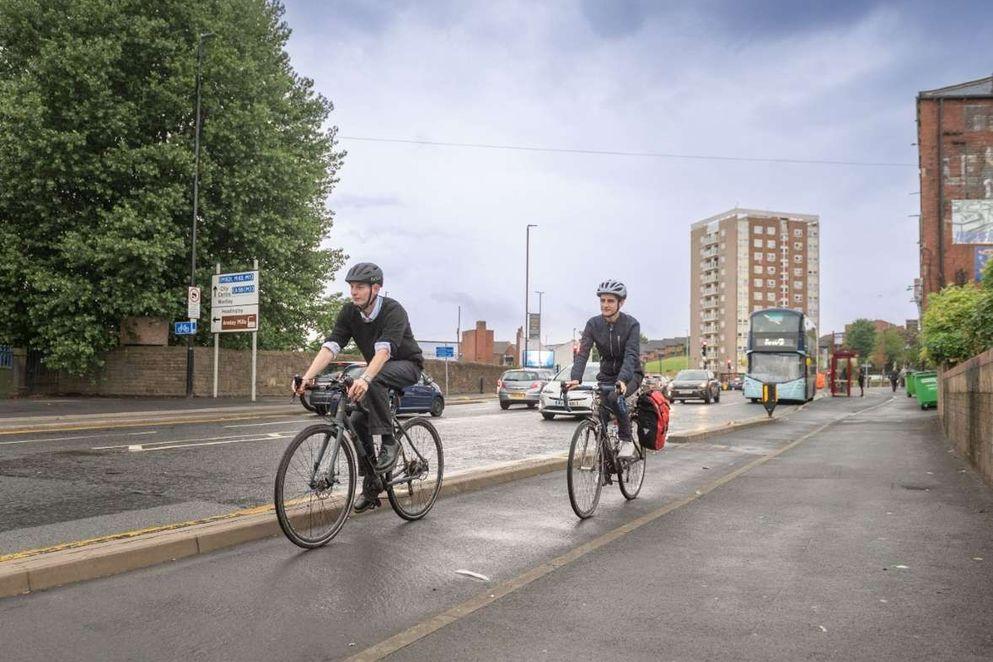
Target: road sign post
{"type": "Point", "coordinates": [446, 353]}
{"type": "Point", "coordinates": [193, 302]}
{"type": "Point", "coordinates": [185, 328]}
{"type": "Point", "coordinates": [234, 308]}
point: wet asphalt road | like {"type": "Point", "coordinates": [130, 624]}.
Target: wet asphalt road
{"type": "Point", "coordinates": [75, 485]}
{"type": "Point", "coordinates": [867, 541]}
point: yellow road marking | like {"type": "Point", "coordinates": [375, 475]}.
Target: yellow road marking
{"type": "Point", "coordinates": [460, 611]}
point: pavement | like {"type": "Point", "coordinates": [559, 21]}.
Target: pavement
{"type": "Point", "coordinates": [830, 534]}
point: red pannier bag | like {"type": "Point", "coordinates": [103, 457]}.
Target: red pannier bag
{"type": "Point", "coordinates": [653, 420]}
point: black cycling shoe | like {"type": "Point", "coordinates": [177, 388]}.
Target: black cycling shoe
{"type": "Point", "coordinates": [365, 502]}
{"type": "Point", "coordinates": [387, 457]}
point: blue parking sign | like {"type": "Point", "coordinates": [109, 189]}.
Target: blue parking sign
{"type": "Point", "coordinates": [185, 328]}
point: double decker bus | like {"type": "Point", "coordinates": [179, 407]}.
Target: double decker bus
{"type": "Point", "coordinates": [782, 348]}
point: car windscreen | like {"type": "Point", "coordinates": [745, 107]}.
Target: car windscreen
{"type": "Point", "coordinates": [519, 376]}
{"type": "Point", "coordinates": [589, 375]}
{"type": "Point", "coordinates": [775, 368]}
{"type": "Point", "coordinates": [692, 376]}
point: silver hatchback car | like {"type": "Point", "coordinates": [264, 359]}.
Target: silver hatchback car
{"type": "Point", "coordinates": [522, 386]}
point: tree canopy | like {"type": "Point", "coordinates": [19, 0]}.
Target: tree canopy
{"type": "Point", "coordinates": [861, 337]}
{"type": "Point", "coordinates": [96, 133]}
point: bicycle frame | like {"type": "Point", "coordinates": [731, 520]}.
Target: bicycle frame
{"type": "Point", "coordinates": [342, 423]}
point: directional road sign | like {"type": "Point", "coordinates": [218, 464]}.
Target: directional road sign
{"type": "Point", "coordinates": [444, 352]}
{"type": "Point", "coordinates": [185, 328]}
{"type": "Point", "coordinates": [237, 289]}
{"type": "Point", "coordinates": [234, 319]}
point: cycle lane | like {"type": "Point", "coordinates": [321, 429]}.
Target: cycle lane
{"type": "Point", "coordinates": [379, 576]}
{"type": "Point", "coordinates": [868, 541]}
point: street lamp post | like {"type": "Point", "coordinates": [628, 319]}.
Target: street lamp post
{"type": "Point", "coordinates": [196, 194]}
{"type": "Point", "coordinates": [527, 289]}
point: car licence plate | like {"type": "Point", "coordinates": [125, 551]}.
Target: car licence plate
{"type": "Point", "coordinates": [516, 396]}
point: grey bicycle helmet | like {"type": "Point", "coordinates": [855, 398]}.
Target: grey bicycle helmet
{"type": "Point", "coordinates": [614, 287]}
{"type": "Point", "coordinates": [365, 272]}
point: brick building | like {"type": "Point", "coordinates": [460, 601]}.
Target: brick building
{"type": "Point", "coordinates": [477, 344]}
{"type": "Point", "coordinates": [746, 260]}
{"type": "Point", "coordinates": [955, 148]}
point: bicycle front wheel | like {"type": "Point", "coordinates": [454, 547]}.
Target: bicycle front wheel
{"type": "Point", "coordinates": [314, 487]}
{"type": "Point", "coordinates": [584, 472]}
{"type": "Point", "coordinates": [419, 470]}
{"type": "Point", "coordinates": [632, 472]}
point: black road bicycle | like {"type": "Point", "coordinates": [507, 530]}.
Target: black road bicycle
{"type": "Point", "coordinates": [315, 482]}
{"type": "Point", "coordinates": [593, 455]}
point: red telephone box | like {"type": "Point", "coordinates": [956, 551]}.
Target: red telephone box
{"type": "Point", "coordinates": [844, 370]}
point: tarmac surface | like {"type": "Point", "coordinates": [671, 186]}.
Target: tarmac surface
{"type": "Point", "coordinates": [826, 535]}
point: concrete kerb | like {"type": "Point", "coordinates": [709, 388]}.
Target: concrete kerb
{"type": "Point", "coordinates": [113, 556]}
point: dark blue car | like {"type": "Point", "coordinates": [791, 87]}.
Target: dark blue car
{"type": "Point", "coordinates": [424, 397]}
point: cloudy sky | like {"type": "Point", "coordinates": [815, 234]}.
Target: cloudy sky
{"type": "Point", "coordinates": [809, 81]}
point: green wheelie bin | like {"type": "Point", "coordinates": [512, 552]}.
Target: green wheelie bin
{"type": "Point", "coordinates": [926, 388]}
{"type": "Point", "coordinates": [910, 383]}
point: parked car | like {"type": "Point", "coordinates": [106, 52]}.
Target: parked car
{"type": "Point", "coordinates": [550, 403]}
{"type": "Point", "coordinates": [424, 397]}
{"type": "Point", "coordinates": [695, 385]}
{"type": "Point", "coordinates": [521, 386]}
{"type": "Point", "coordinates": [736, 383]}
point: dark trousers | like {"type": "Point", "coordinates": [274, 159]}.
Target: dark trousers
{"type": "Point", "coordinates": [395, 374]}
{"type": "Point", "coordinates": [623, 422]}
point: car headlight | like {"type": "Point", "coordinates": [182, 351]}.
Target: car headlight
{"type": "Point", "coordinates": [703, 384]}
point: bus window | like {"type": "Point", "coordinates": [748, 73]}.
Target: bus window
{"type": "Point", "coordinates": [776, 367]}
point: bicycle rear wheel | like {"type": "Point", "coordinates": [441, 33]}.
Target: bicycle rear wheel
{"type": "Point", "coordinates": [584, 473]}
{"type": "Point", "coordinates": [313, 495]}
{"type": "Point", "coordinates": [632, 472]}
{"type": "Point", "coordinates": [420, 468]}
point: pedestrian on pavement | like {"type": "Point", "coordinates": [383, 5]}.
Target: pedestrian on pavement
{"type": "Point", "coordinates": [861, 382]}
{"type": "Point", "coordinates": [894, 378]}
{"type": "Point", "coordinates": [381, 330]}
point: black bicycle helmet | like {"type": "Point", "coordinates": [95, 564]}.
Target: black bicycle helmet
{"type": "Point", "coordinates": [365, 272]}
{"type": "Point", "coordinates": [614, 287]}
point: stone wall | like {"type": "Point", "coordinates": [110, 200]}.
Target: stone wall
{"type": "Point", "coordinates": [965, 405]}
{"type": "Point", "coordinates": [161, 371]}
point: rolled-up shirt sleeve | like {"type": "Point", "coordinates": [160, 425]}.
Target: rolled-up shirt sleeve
{"type": "Point", "coordinates": [333, 347]}
{"type": "Point", "coordinates": [381, 346]}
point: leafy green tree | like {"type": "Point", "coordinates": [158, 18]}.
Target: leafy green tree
{"type": "Point", "coordinates": [860, 336]}
{"type": "Point", "coordinates": [982, 321]}
{"type": "Point", "coordinates": [96, 137]}
{"type": "Point", "coordinates": [947, 334]}
{"type": "Point", "coordinates": [889, 349]}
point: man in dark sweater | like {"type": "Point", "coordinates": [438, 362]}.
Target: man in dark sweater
{"type": "Point", "coordinates": [381, 330]}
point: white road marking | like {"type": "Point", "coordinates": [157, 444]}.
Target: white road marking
{"type": "Point", "coordinates": [141, 449]}
{"type": "Point", "coordinates": [172, 442]}
{"type": "Point", "coordinates": [84, 436]}
{"type": "Point", "coordinates": [252, 425]}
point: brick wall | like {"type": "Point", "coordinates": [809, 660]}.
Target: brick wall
{"type": "Point", "coordinates": [965, 404]}
{"type": "Point", "coordinates": [161, 371]}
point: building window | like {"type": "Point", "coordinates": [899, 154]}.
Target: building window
{"type": "Point", "coordinates": [757, 243]}
{"type": "Point", "coordinates": [798, 298]}
{"type": "Point", "coordinates": [758, 296]}
{"type": "Point", "coordinates": [757, 268]}
{"type": "Point", "coordinates": [797, 232]}
{"type": "Point", "coordinates": [797, 271]}
{"type": "Point", "coordinates": [770, 283]}
{"type": "Point", "coordinates": [770, 229]}
{"type": "Point", "coordinates": [757, 257]}
{"type": "Point", "coordinates": [771, 271]}
{"type": "Point", "coordinates": [770, 243]}
{"type": "Point", "coordinates": [771, 296]}
{"type": "Point", "coordinates": [756, 229]}
{"type": "Point", "coordinates": [757, 282]}
{"type": "Point", "coordinates": [771, 257]}
{"type": "Point", "coordinates": [797, 246]}
{"type": "Point", "coordinates": [798, 258]}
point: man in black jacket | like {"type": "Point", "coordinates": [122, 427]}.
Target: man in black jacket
{"type": "Point", "coordinates": [617, 337]}
{"type": "Point", "coordinates": [381, 330]}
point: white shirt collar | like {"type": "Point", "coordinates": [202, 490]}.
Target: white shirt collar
{"type": "Point", "coordinates": [376, 307]}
